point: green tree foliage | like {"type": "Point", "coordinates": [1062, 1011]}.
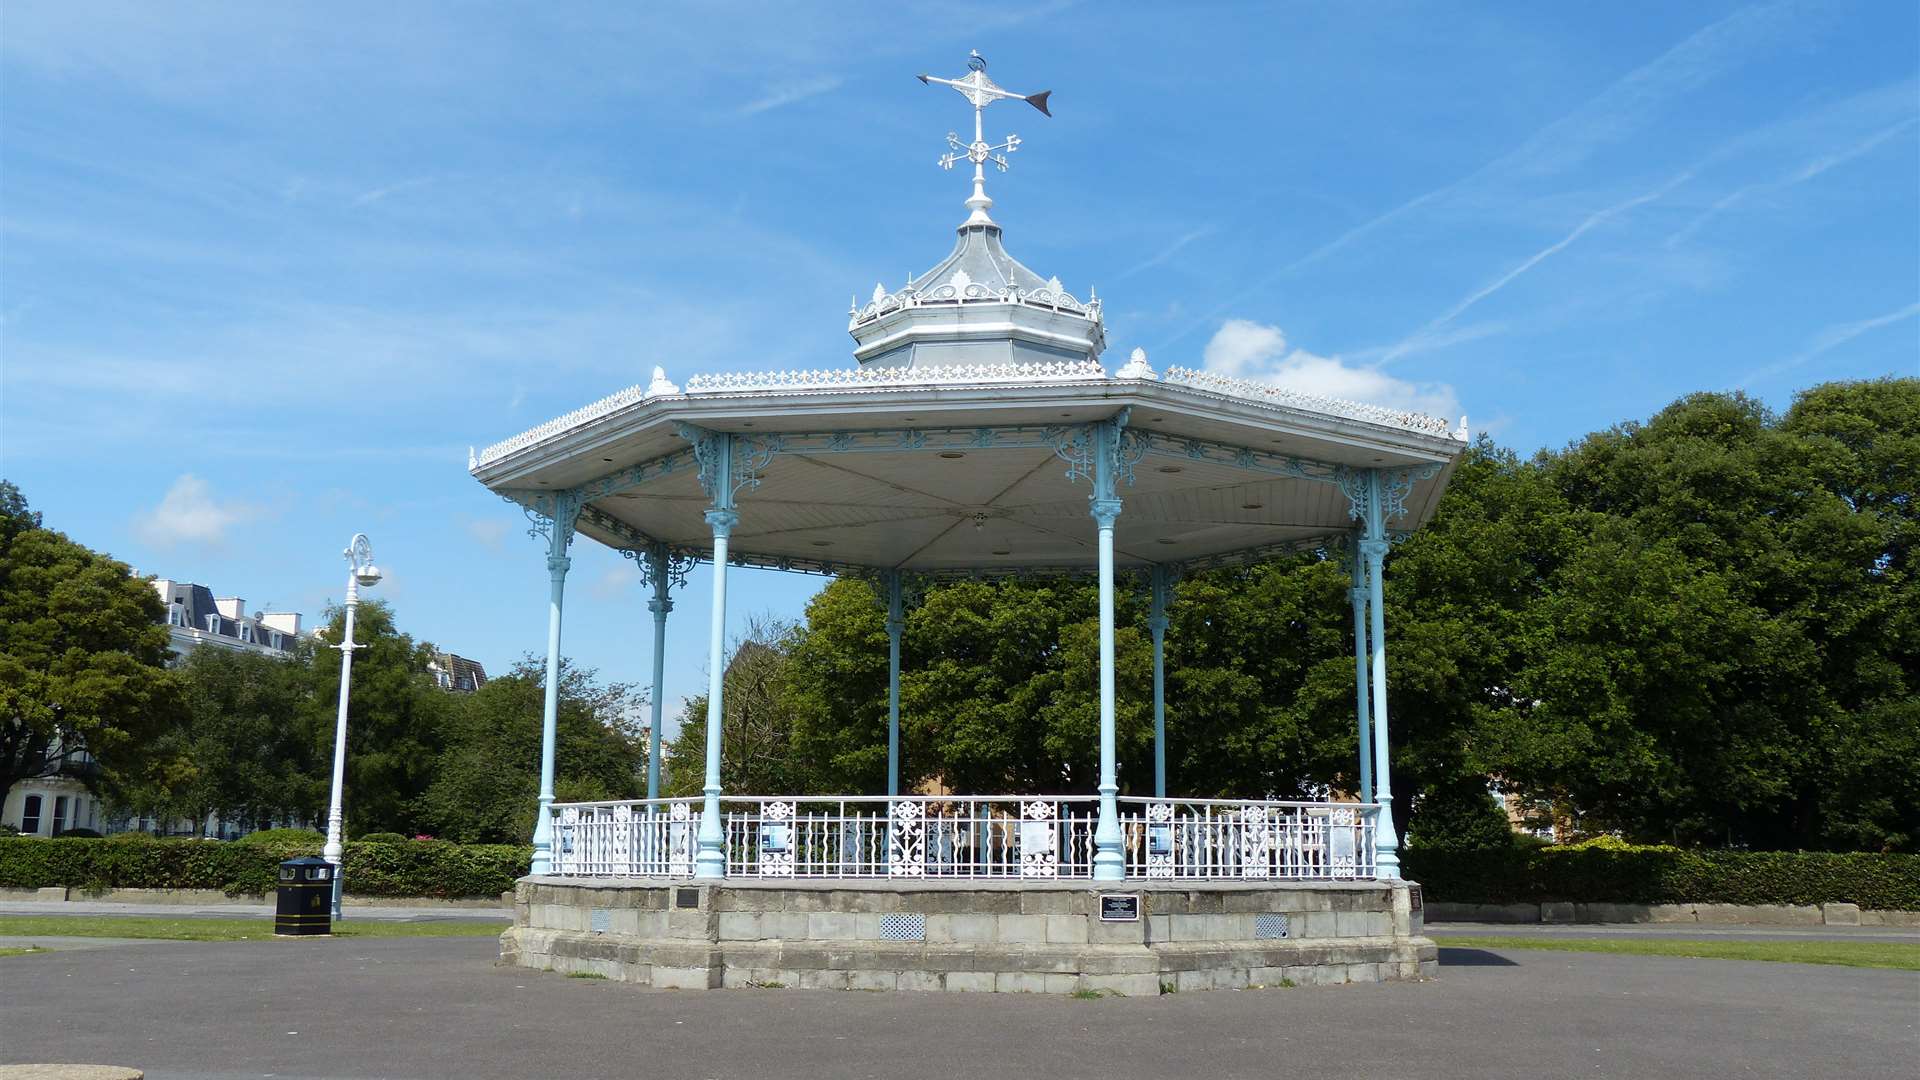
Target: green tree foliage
{"type": "Point", "coordinates": [396, 719]}
{"type": "Point", "coordinates": [1728, 654]}
{"type": "Point", "coordinates": [757, 752]}
{"type": "Point", "coordinates": [82, 656]}
{"type": "Point", "coordinates": [247, 747]}
{"type": "Point", "coordinates": [485, 782]}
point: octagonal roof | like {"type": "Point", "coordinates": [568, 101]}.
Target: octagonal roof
{"type": "Point", "coordinates": [959, 471]}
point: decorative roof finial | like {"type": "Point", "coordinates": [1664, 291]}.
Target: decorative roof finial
{"type": "Point", "coordinates": [982, 92]}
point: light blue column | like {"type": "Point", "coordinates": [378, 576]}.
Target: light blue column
{"type": "Point", "coordinates": [1109, 862]}
{"type": "Point", "coordinates": [559, 536]}
{"type": "Point", "coordinates": [1157, 626]}
{"type": "Point", "coordinates": [1358, 594]}
{"type": "Point", "coordinates": [1374, 549]}
{"type": "Point", "coordinates": [896, 624]}
{"type": "Point", "coordinates": [658, 565]}
{"type": "Point", "coordinates": [711, 859]}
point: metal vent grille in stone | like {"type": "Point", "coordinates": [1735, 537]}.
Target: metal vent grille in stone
{"type": "Point", "coordinates": [1271, 924]}
{"type": "Point", "coordinates": [903, 927]}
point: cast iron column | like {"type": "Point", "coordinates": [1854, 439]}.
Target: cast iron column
{"type": "Point", "coordinates": [1374, 549]}
{"type": "Point", "coordinates": [559, 536]}
{"type": "Point", "coordinates": [1358, 594]}
{"type": "Point", "coordinates": [1157, 626]}
{"type": "Point", "coordinates": [1109, 863]}
{"type": "Point", "coordinates": [896, 624]}
{"type": "Point", "coordinates": [711, 859]}
{"type": "Point", "coordinates": [657, 567]}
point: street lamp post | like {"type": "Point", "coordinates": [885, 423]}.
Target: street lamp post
{"type": "Point", "coordinates": [360, 571]}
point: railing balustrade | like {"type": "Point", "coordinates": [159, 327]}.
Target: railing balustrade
{"type": "Point", "coordinates": [950, 837]}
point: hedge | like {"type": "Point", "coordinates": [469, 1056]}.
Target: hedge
{"type": "Point", "coordinates": [429, 868]}
{"type": "Point", "coordinates": [434, 868]}
{"type": "Point", "coordinates": [1665, 875]}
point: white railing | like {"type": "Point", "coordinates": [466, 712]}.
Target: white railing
{"type": "Point", "coordinates": [1250, 840]}
{"type": "Point", "coordinates": [967, 836]}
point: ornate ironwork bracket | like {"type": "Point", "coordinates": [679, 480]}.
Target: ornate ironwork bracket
{"type": "Point", "coordinates": [1073, 444]}
{"type": "Point", "coordinates": [658, 560]}
{"type": "Point", "coordinates": [728, 461]}
{"type": "Point", "coordinates": [552, 514]}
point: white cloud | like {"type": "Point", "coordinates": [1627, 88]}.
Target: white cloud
{"type": "Point", "coordinates": [489, 533]}
{"type": "Point", "coordinates": [189, 514]}
{"type": "Point", "coordinates": [615, 580]}
{"type": "Point", "coordinates": [789, 93]}
{"type": "Point", "coordinates": [1828, 339]}
{"type": "Point", "coordinates": [1249, 350]}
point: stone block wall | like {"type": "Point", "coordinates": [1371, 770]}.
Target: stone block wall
{"type": "Point", "coordinates": [1022, 937]}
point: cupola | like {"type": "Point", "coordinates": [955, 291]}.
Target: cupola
{"type": "Point", "coordinates": [979, 306]}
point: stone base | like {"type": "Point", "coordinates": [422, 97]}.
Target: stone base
{"type": "Point", "coordinates": [1029, 937]}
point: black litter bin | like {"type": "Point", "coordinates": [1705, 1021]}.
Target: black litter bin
{"type": "Point", "coordinates": [306, 897]}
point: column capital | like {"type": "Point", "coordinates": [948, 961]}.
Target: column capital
{"type": "Point", "coordinates": [1105, 511]}
{"type": "Point", "coordinates": [1373, 550]}
{"type": "Point", "coordinates": [558, 565]}
{"type": "Point", "coordinates": [660, 605]}
{"type": "Point", "coordinates": [1157, 624]}
{"type": "Point", "coordinates": [723, 521]}
{"type": "Point", "coordinates": [1358, 595]}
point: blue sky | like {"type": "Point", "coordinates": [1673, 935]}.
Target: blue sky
{"type": "Point", "coordinates": [269, 270]}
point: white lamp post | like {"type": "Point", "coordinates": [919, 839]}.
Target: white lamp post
{"type": "Point", "coordinates": [360, 571]}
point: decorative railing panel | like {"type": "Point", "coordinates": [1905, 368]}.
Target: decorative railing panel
{"type": "Point", "coordinates": [948, 837]}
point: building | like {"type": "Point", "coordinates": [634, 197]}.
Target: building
{"type": "Point", "coordinates": [455, 673]}
{"type": "Point", "coordinates": [51, 805]}
{"type": "Point", "coordinates": [195, 617]}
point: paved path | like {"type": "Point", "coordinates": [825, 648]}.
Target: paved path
{"type": "Point", "coordinates": [1685, 931]}
{"type": "Point", "coordinates": [240, 911]}
{"type": "Point", "coordinates": [438, 1007]}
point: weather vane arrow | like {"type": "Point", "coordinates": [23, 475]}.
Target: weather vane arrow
{"type": "Point", "coordinates": [981, 92]}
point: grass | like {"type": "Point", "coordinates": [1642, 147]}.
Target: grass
{"type": "Point", "coordinates": [15, 950]}
{"type": "Point", "coordinates": [131, 926]}
{"type": "Point", "coordinates": [1870, 954]}
{"type": "Point", "coordinates": [585, 975]}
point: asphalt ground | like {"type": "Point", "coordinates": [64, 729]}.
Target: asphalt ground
{"type": "Point", "coordinates": [440, 1007]}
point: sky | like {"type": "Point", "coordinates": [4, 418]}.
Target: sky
{"type": "Point", "coordinates": [267, 271]}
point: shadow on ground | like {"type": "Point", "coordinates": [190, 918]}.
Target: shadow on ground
{"type": "Point", "coordinates": [1455, 957]}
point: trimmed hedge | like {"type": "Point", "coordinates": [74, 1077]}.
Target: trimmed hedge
{"type": "Point", "coordinates": [1665, 875]}
{"type": "Point", "coordinates": [435, 868]}
{"type": "Point", "coordinates": [429, 868]}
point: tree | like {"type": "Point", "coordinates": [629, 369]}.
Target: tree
{"type": "Point", "coordinates": [756, 755]}
{"type": "Point", "coordinates": [485, 782]}
{"type": "Point", "coordinates": [395, 720]}
{"type": "Point", "coordinates": [1721, 649]}
{"type": "Point", "coordinates": [83, 651]}
{"type": "Point", "coordinates": [245, 748]}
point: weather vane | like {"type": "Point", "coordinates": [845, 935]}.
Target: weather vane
{"type": "Point", "coordinates": [982, 92]}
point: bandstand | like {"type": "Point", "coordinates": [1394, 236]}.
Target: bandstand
{"type": "Point", "coordinates": [976, 435]}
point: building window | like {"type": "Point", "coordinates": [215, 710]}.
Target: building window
{"type": "Point", "coordinates": [30, 816]}
{"type": "Point", "coordinates": [59, 814]}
